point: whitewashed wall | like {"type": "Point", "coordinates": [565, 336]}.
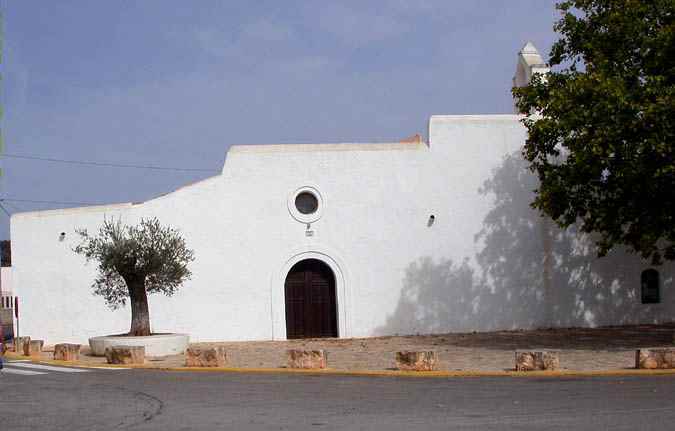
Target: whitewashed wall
{"type": "Point", "coordinates": [488, 262]}
{"type": "Point", "coordinates": [6, 280]}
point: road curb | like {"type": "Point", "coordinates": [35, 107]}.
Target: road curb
{"type": "Point", "coordinates": [628, 372]}
{"type": "Point", "coordinates": [428, 374]}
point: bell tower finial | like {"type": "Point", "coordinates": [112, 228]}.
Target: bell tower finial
{"type": "Point", "coordinates": [529, 63]}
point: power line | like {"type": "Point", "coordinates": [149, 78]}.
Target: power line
{"type": "Point", "coordinates": [5, 210]}
{"type": "Point", "coordinates": [11, 207]}
{"type": "Point", "coordinates": [106, 164]}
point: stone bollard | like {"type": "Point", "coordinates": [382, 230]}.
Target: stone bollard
{"type": "Point", "coordinates": [655, 358]}
{"type": "Point", "coordinates": [537, 361]}
{"type": "Point", "coordinates": [307, 359]}
{"type": "Point", "coordinates": [33, 348]}
{"type": "Point", "coordinates": [197, 357]}
{"type": "Point", "coordinates": [125, 355]}
{"type": "Point", "coordinates": [66, 352]}
{"type": "Point", "coordinates": [416, 361]}
{"type": "Point", "coordinates": [19, 342]}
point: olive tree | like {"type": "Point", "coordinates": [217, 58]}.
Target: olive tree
{"type": "Point", "coordinates": [134, 261]}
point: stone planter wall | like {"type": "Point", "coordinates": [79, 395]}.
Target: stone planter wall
{"type": "Point", "coordinates": [155, 345]}
{"type": "Point", "coordinates": [125, 355]}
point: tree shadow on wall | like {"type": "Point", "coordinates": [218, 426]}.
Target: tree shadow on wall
{"type": "Point", "coordinates": [528, 274]}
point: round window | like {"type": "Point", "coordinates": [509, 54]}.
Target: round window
{"type": "Point", "coordinates": [306, 203]}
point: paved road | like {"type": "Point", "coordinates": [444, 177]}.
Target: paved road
{"type": "Point", "coordinates": [154, 400]}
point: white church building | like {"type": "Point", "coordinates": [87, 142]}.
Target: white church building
{"type": "Point", "coordinates": [351, 240]}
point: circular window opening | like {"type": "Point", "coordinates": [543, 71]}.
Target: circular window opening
{"type": "Point", "coordinates": [306, 203]}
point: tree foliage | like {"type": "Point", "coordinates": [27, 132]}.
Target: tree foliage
{"type": "Point", "coordinates": [134, 261]}
{"type": "Point", "coordinates": [602, 137]}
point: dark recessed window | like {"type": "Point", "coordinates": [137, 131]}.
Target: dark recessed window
{"type": "Point", "coordinates": [650, 286]}
{"type": "Point", "coordinates": [306, 203]}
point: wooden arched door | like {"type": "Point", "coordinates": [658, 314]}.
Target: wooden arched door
{"type": "Point", "coordinates": [311, 310]}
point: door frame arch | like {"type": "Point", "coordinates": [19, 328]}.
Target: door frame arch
{"type": "Point", "coordinates": [311, 300]}
{"type": "Point", "coordinates": [278, 293]}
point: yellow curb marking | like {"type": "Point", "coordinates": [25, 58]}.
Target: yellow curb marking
{"type": "Point", "coordinates": [109, 368]}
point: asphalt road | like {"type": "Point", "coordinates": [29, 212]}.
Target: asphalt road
{"type": "Point", "coordinates": [155, 400]}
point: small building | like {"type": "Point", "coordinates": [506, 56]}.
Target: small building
{"type": "Point", "coordinates": [352, 240]}
{"type": "Point", "coordinates": [7, 299]}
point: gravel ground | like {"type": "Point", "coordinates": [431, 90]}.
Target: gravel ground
{"type": "Point", "coordinates": [580, 349]}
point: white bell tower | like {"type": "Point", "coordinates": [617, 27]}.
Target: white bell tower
{"type": "Point", "coordinates": [529, 63]}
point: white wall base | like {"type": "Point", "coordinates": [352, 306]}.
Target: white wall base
{"type": "Point", "coordinates": [155, 345]}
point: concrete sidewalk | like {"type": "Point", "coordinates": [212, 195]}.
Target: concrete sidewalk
{"type": "Point", "coordinates": [598, 349]}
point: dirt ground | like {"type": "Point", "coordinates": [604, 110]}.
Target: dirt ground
{"type": "Point", "coordinates": [610, 348]}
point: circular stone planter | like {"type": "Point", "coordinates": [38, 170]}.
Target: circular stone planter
{"type": "Point", "coordinates": [155, 345]}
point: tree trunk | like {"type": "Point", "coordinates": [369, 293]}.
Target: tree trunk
{"type": "Point", "coordinates": [140, 317]}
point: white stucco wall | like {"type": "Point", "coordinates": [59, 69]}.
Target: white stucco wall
{"type": "Point", "coordinates": [488, 262]}
{"type": "Point", "coordinates": [6, 280]}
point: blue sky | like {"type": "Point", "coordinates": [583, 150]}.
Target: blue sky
{"type": "Point", "coordinates": [175, 83]}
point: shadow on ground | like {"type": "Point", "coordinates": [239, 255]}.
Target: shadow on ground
{"type": "Point", "coordinates": [606, 338]}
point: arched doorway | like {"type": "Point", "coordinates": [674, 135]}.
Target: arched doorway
{"type": "Point", "coordinates": [311, 310]}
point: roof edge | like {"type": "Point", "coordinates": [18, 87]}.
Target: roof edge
{"type": "Point", "coordinates": [481, 117]}
{"type": "Point", "coordinates": [277, 148]}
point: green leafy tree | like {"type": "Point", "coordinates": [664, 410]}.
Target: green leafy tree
{"type": "Point", "coordinates": [134, 261]}
{"type": "Point", "coordinates": [602, 134]}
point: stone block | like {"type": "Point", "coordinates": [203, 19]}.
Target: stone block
{"type": "Point", "coordinates": [655, 358]}
{"type": "Point", "coordinates": [125, 355]}
{"type": "Point", "coordinates": [416, 361]}
{"type": "Point", "coordinates": [307, 359]}
{"type": "Point", "coordinates": [67, 352]}
{"type": "Point", "coordinates": [33, 348]}
{"type": "Point", "coordinates": [19, 342]}
{"type": "Point", "coordinates": [537, 361]}
{"type": "Point", "coordinates": [197, 357]}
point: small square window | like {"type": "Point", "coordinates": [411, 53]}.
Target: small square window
{"type": "Point", "coordinates": [650, 286]}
